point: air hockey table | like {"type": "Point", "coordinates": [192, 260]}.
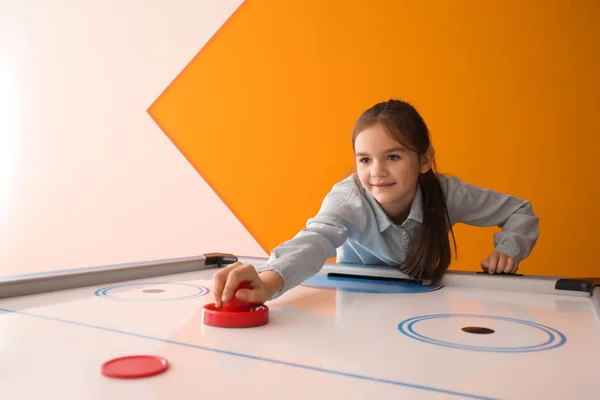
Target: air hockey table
{"type": "Point", "coordinates": [350, 332]}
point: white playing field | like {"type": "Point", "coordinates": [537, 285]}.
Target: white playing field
{"type": "Point", "coordinates": [319, 344]}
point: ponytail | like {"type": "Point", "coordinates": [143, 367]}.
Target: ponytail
{"type": "Point", "coordinates": [431, 254]}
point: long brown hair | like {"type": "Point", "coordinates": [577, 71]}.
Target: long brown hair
{"type": "Point", "coordinates": [431, 254]}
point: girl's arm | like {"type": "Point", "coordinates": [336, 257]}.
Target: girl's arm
{"type": "Point", "coordinates": [304, 255]}
{"type": "Point", "coordinates": [477, 206]}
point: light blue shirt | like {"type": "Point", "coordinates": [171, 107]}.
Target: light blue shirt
{"type": "Point", "coordinates": [352, 226]}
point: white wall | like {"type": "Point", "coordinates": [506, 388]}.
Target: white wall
{"type": "Point", "coordinates": [86, 177]}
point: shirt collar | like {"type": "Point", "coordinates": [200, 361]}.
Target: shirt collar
{"type": "Point", "coordinates": [384, 222]}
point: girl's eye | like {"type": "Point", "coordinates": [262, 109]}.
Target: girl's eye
{"type": "Point", "coordinates": [394, 157]}
{"type": "Point", "coordinates": [364, 160]}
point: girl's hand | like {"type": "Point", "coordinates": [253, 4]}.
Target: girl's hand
{"type": "Point", "coordinates": [498, 263]}
{"type": "Point", "coordinates": [262, 287]}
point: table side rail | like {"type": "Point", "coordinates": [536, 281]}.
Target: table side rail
{"type": "Point", "coordinates": [461, 279]}
{"type": "Point", "coordinates": [110, 274]}
{"type": "Point", "coordinates": [29, 285]}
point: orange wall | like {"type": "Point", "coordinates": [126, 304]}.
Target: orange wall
{"type": "Point", "coordinates": [508, 88]}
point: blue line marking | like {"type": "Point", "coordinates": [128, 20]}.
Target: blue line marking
{"type": "Point", "coordinates": [104, 292]}
{"type": "Point", "coordinates": [556, 338]}
{"type": "Point", "coordinates": [551, 338]}
{"type": "Point", "coordinates": [264, 359]}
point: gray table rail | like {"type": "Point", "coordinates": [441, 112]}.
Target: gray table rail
{"type": "Point", "coordinates": [36, 283]}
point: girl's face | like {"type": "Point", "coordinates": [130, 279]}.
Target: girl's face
{"type": "Point", "coordinates": [388, 170]}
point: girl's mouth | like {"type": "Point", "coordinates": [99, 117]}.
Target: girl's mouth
{"type": "Point", "coordinates": [383, 185]}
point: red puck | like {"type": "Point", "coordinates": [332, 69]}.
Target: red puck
{"type": "Point", "coordinates": [255, 315]}
{"type": "Point", "coordinates": [132, 367]}
{"type": "Point", "coordinates": [236, 313]}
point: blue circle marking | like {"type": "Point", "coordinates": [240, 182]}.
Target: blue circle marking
{"type": "Point", "coordinates": [106, 292]}
{"type": "Point", "coordinates": [554, 337]}
{"type": "Point", "coordinates": [359, 285]}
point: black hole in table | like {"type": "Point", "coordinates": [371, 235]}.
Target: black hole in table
{"type": "Point", "coordinates": [478, 330]}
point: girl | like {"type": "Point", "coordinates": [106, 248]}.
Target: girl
{"type": "Point", "coordinates": [395, 210]}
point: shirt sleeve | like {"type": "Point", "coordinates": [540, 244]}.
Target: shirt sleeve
{"type": "Point", "coordinates": [304, 255]}
{"type": "Point", "coordinates": [477, 206]}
